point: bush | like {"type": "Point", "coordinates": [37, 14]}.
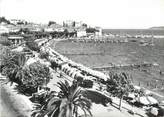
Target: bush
{"type": "Point", "coordinates": [35, 75]}
{"type": "Point", "coordinates": [44, 55]}
{"type": "Point", "coordinates": [79, 79]}
{"type": "Point", "coordinates": [97, 97]}
{"type": "Point", "coordinates": [87, 84]}
{"type": "Point", "coordinates": [12, 66]}
{"type": "Point", "coordinates": [54, 65]}
{"type": "Point", "coordinates": [4, 41]}
{"type": "Point", "coordinates": [91, 30]}
{"type": "Point", "coordinates": [33, 45]}
{"type": "Point", "coordinates": [28, 91]}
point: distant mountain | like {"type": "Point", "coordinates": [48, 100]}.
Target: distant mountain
{"type": "Point", "coordinates": [158, 28]}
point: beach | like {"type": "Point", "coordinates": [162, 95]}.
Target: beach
{"type": "Point", "coordinates": [96, 55]}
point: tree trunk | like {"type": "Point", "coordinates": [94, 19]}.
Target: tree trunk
{"type": "Point", "coordinates": [76, 114]}
{"type": "Point", "coordinates": [120, 102]}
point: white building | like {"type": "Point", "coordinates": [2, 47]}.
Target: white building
{"type": "Point", "coordinates": [16, 21]}
{"type": "Point", "coordinates": [81, 33]}
{"type": "Point", "coordinates": [69, 23]}
{"type": "Point", "coordinates": [3, 29]}
{"type": "Point", "coordinates": [49, 30]}
{"type": "Point", "coordinates": [16, 39]}
{"type": "Point", "coordinates": [78, 24]}
{"type": "Point", "coordinates": [99, 32]}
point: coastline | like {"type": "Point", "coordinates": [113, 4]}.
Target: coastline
{"type": "Point", "coordinates": [147, 77]}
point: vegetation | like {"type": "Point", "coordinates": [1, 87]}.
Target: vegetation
{"type": "Point", "coordinates": [4, 41]}
{"type": "Point", "coordinates": [3, 19]}
{"type": "Point", "coordinates": [44, 55]}
{"type": "Point", "coordinates": [66, 104]}
{"type": "Point", "coordinates": [24, 30]}
{"type": "Point", "coordinates": [119, 85]}
{"type": "Point", "coordinates": [31, 44]}
{"type": "Point", "coordinates": [97, 97]}
{"type": "Point", "coordinates": [91, 30]}
{"type": "Point", "coordinates": [51, 22]}
{"type": "Point", "coordinates": [13, 67]}
{"type": "Point", "coordinates": [28, 78]}
{"type": "Point", "coordinates": [35, 75]}
{"type": "Point", "coordinates": [84, 82]}
{"type": "Point", "coordinates": [87, 84]}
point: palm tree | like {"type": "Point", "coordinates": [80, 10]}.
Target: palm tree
{"type": "Point", "coordinates": [13, 67]}
{"type": "Point", "coordinates": [119, 85]}
{"type": "Point", "coordinates": [69, 100]}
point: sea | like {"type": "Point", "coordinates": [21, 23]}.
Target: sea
{"type": "Point", "coordinates": [134, 31]}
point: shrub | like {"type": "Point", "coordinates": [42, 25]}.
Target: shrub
{"type": "Point", "coordinates": [33, 45]}
{"type": "Point", "coordinates": [87, 84]}
{"type": "Point", "coordinates": [97, 97]}
{"type": "Point", "coordinates": [12, 66]}
{"type": "Point", "coordinates": [54, 65]}
{"type": "Point", "coordinates": [44, 55]}
{"type": "Point", "coordinates": [79, 79]}
{"type": "Point", "coordinates": [35, 75]}
{"type": "Point", "coordinates": [4, 41]}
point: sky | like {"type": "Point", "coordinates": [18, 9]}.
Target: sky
{"type": "Point", "coordinates": [114, 14]}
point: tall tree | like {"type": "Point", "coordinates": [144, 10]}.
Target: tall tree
{"type": "Point", "coordinates": [69, 100]}
{"type": "Point", "coordinates": [119, 85]}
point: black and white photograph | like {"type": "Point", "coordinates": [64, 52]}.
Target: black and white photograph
{"type": "Point", "coordinates": [81, 58]}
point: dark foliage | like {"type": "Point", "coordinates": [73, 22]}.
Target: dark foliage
{"type": "Point", "coordinates": [44, 55]}
{"type": "Point", "coordinates": [23, 89]}
{"type": "Point", "coordinates": [29, 77]}
{"type": "Point", "coordinates": [119, 85]}
{"type": "Point", "coordinates": [13, 66]}
{"type": "Point", "coordinates": [79, 79]}
{"type": "Point", "coordinates": [97, 97]}
{"type": "Point", "coordinates": [33, 45]}
{"type": "Point", "coordinates": [4, 41]}
{"type": "Point", "coordinates": [54, 65]}
{"type": "Point", "coordinates": [91, 30]}
{"type": "Point", "coordinates": [161, 112]}
{"type": "Point", "coordinates": [3, 19]}
{"type": "Point", "coordinates": [86, 84]}
{"type": "Point", "coordinates": [35, 75]}
{"type": "Point", "coordinates": [51, 22]}
{"type": "Point", "coordinates": [64, 104]}
{"type": "Point", "coordinates": [24, 30]}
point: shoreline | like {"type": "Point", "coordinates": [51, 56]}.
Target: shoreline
{"type": "Point", "coordinates": [144, 77]}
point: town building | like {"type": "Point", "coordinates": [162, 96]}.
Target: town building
{"type": "Point", "coordinates": [69, 23]}
{"type": "Point", "coordinates": [16, 40]}
{"type": "Point", "coordinates": [3, 29]}
{"type": "Point", "coordinates": [99, 31]}
{"type": "Point", "coordinates": [17, 21]}
{"type": "Point", "coordinates": [79, 24]}
{"type": "Point", "coordinates": [81, 33]}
